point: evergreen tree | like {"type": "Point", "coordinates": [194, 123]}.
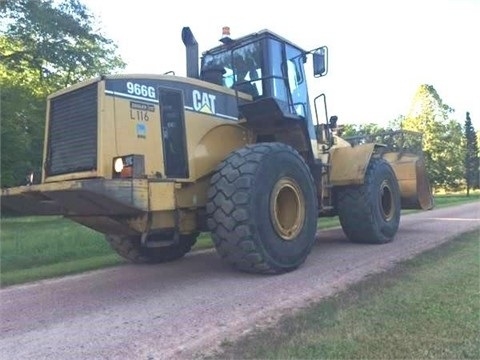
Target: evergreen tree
{"type": "Point", "coordinates": [472, 161]}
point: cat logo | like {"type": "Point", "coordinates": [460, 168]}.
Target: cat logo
{"type": "Point", "coordinates": [203, 102]}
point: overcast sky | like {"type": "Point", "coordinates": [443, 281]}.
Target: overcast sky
{"type": "Point", "coordinates": [379, 51]}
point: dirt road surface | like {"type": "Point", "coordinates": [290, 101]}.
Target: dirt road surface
{"type": "Point", "coordinates": [176, 310]}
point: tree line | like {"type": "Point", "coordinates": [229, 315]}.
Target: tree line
{"type": "Point", "coordinates": [450, 150]}
{"type": "Point", "coordinates": [46, 45]}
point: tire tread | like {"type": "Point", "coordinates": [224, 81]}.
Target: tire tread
{"type": "Point", "coordinates": [355, 211]}
{"type": "Point", "coordinates": [232, 233]}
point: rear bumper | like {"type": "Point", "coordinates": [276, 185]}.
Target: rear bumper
{"type": "Point", "coordinates": [79, 197]}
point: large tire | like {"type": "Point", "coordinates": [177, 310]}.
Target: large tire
{"type": "Point", "coordinates": [129, 247]}
{"type": "Point", "coordinates": [262, 209]}
{"type": "Point", "coordinates": [370, 213]}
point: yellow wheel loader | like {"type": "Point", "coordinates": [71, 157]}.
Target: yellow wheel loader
{"type": "Point", "coordinates": [236, 149]}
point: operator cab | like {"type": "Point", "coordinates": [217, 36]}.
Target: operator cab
{"type": "Point", "coordinates": [263, 65]}
{"type": "Point", "coordinates": [271, 70]}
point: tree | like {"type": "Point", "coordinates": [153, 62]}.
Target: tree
{"type": "Point", "coordinates": [442, 137]}
{"type": "Point", "coordinates": [57, 44]}
{"type": "Point", "coordinates": [22, 115]}
{"type": "Point", "coordinates": [472, 161]}
{"type": "Point", "coordinates": [361, 129]}
{"type": "Point", "coordinates": [45, 45]}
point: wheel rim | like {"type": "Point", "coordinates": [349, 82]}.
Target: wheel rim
{"type": "Point", "coordinates": [386, 201]}
{"type": "Point", "coordinates": [287, 208]}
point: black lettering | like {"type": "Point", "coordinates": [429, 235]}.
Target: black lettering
{"type": "Point", "coordinates": [139, 115]}
{"type": "Point", "coordinates": [140, 106]}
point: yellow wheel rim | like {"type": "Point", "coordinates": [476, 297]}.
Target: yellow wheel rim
{"type": "Point", "coordinates": [287, 208]}
{"type": "Point", "coordinates": [386, 201]}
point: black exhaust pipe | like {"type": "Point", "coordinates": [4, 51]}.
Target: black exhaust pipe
{"type": "Point", "coordinates": [192, 52]}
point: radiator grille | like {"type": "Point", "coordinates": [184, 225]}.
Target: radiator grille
{"type": "Point", "coordinates": [72, 132]}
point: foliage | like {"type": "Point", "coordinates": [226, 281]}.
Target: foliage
{"type": "Point", "coordinates": [442, 137]}
{"type": "Point", "coordinates": [45, 45]}
{"type": "Point", "coordinates": [349, 130]}
{"type": "Point", "coordinates": [472, 162]}
{"type": "Point", "coordinates": [57, 44]}
{"type": "Point", "coordinates": [22, 116]}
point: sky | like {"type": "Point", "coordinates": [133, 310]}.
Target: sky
{"type": "Point", "coordinates": [380, 52]}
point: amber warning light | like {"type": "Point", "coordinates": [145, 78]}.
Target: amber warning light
{"type": "Point", "coordinates": [226, 35]}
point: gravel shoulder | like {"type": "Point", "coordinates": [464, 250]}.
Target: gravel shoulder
{"type": "Point", "coordinates": [179, 309]}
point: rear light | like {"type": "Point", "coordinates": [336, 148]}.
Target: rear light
{"type": "Point", "coordinates": [129, 166]}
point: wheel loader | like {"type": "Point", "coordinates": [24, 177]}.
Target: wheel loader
{"type": "Point", "coordinates": [238, 148]}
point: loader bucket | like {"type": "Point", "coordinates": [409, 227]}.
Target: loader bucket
{"type": "Point", "coordinates": [412, 179]}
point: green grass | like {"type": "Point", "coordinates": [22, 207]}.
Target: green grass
{"type": "Point", "coordinates": [455, 199]}
{"type": "Point", "coordinates": [29, 244]}
{"type": "Point", "coordinates": [425, 308]}
{"type": "Point", "coordinates": [58, 269]}
{"type": "Point", "coordinates": [34, 248]}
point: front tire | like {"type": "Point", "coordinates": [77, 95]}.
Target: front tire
{"type": "Point", "coordinates": [129, 247]}
{"type": "Point", "coordinates": [262, 209]}
{"type": "Point", "coordinates": [370, 213]}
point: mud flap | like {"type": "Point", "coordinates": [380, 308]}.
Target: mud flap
{"type": "Point", "coordinates": [415, 189]}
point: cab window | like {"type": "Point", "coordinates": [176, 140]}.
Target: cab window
{"type": "Point", "coordinates": [241, 68]}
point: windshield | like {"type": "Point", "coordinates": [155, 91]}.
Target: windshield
{"type": "Point", "coordinates": [241, 68]}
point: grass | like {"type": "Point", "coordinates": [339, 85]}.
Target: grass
{"type": "Point", "coordinates": [425, 308]}
{"type": "Point", "coordinates": [63, 268]}
{"type": "Point", "coordinates": [30, 242]}
{"type": "Point", "coordinates": [34, 248]}
{"type": "Point", "coordinates": [52, 246]}
{"type": "Point", "coordinates": [455, 199]}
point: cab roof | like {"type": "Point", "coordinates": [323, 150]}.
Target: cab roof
{"type": "Point", "coordinates": [265, 33]}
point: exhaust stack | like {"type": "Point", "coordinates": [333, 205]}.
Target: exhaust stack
{"type": "Point", "coordinates": [192, 52]}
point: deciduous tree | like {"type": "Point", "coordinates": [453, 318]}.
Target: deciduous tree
{"type": "Point", "coordinates": [442, 137]}
{"type": "Point", "coordinates": [361, 129]}
{"type": "Point", "coordinates": [45, 45]}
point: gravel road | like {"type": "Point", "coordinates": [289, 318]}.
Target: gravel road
{"type": "Point", "coordinates": [179, 309]}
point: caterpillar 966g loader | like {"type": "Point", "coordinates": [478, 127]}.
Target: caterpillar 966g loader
{"type": "Point", "coordinates": [234, 148]}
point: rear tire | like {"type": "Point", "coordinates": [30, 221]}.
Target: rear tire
{"type": "Point", "coordinates": [129, 247]}
{"type": "Point", "coordinates": [370, 213]}
{"type": "Point", "coordinates": [262, 209]}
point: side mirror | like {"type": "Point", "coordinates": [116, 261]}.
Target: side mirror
{"type": "Point", "coordinates": [332, 123]}
{"type": "Point", "coordinates": [320, 63]}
